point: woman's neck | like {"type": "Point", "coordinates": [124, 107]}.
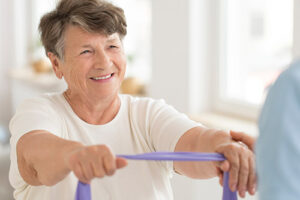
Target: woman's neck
{"type": "Point", "coordinates": [94, 111]}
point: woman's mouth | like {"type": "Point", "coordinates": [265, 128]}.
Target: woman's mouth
{"type": "Point", "coordinates": [106, 77]}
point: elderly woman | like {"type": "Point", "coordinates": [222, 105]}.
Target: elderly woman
{"type": "Point", "coordinates": [60, 138]}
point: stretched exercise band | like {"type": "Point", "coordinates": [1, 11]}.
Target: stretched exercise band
{"type": "Point", "coordinates": [83, 191]}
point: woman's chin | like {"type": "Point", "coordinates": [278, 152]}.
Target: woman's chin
{"type": "Point", "coordinates": [104, 93]}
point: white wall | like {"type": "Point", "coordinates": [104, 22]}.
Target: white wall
{"type": "Point", "coordinates": [6, 57]}
{"type": "Point", "coordinates": [170, 52]}
{"type": "Point", "coordinates": [181, 53]}
{"type": "Point", "coordinates": [296, 49]}
{"type": "Point", "coordinates": [13, 51]}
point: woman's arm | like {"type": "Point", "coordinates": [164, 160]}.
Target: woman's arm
{"type": "Point", "coordinates": [45, 159]}
{"type": "Point", "coordinates": [239, 163]}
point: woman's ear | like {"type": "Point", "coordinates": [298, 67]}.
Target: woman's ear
{"type": "Point", "coordinates": [56, 65]}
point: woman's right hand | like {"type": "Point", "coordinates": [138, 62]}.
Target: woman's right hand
{"type": "Point", "coordinates": [95, 161]}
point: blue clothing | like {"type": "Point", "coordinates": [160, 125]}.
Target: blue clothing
{"type": "Point", "coordinates": [278, 145]}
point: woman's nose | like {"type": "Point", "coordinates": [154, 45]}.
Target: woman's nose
{"type": "Point", "coordinates": [103, 60]}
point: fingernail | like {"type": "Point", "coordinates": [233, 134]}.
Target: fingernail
{"type": "Point", "coordinates": [243, 192]}
{"type": "Point", "coordinates": [233, 187]}
{"type": "Point", "coordinates": [253, 190]}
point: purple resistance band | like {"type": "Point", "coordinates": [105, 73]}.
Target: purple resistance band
{"type": "Point", "coordinates": [84, 190]}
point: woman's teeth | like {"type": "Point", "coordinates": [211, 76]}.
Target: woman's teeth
{"type": "Point", "coordinates": [102, 78]}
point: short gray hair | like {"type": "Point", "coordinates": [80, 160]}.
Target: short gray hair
{"type": "Point", "coordinates": [92, 15]}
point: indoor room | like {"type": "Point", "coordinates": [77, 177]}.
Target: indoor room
{"type": "Point", "coordinates": [213, 60]}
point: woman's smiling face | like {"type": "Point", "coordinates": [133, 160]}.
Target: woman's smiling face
{"type": "Point", "coordinates": [94, 64]}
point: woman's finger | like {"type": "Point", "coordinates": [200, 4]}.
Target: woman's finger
{"type": "Point", "coordinates": [252, 176]}
{"type": "Point", "coordinates": [109, 164]}
{"type": "Point", "coordinates": [97, 166]}
{"type": "Point", "coordinates": [242, 137]}
{"type": "Point", "coordinates": [87, 170]}
{"type": "Point", "coordinates": [234, 173]}
{"type": "Point", "coordinates": [120, 162]}
{"type": "Point", "coordinates": [79, 173]}
{"type": "Point", "coordinates": [224, 166]}
{"type": "Point", "coordinates": [220, 175]}
{"type": "Point", "coordinates": [243, 174]}
{"type": "Point", "coordinates": [231, 154]}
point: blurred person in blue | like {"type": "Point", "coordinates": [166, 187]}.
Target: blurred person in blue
{"type": "Point", "coordinates": [278, 145]}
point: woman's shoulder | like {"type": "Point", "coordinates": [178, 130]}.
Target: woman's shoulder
{"type": "Point", "coordinates": [47, 101]}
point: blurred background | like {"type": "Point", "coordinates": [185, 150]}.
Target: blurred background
{"type": "Point", "coordinates": [211, 59]}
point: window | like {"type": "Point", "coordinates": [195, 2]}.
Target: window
{"type": "Point", "coordinates": [256, 44]}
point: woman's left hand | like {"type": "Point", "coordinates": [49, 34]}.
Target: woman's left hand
{"type": "Point", "coordinates": [240, 163]}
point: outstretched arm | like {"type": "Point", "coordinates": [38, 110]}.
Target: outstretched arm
{"type": "Point", "coordinates": [45, 159]}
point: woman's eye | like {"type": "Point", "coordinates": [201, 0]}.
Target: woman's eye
{"type": "Point", "coordinates": [113, 46]}
{"type": "Point", "coordinates": [85, 51]}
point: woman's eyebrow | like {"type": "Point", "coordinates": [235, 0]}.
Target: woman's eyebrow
{"type": "Point", "coordinates": [86, 46]}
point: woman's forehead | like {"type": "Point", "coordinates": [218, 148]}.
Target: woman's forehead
{"type": "Point", "coordinates": [77, 36]}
